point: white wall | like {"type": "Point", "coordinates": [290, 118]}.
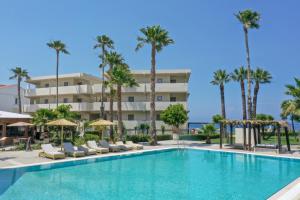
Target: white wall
{"type": "Point", "coordinates": [8, 94]}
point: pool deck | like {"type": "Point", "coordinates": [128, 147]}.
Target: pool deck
{"type": "Point", "coordinates": [20, 158]}
{"type": "Point", "coordinates": [11, 159]}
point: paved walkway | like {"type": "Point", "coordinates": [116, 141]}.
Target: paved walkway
{"type": "Point", "coordinates": [17, 158]}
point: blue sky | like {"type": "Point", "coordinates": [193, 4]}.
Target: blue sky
{"type": "Point", "coordinates": [206, 33]}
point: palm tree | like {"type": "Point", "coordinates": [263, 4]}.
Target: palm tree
{"type": "Point", "coordinates": [294, 91]}
{"type": "Point", "coordinates": [120, 76]}
{"type": "Point", "coordinates": [290, 108]}
{"type": "Point", "coordinates": [221, 78]}
{"type": "Point", "coordinates": [158, 38]}
{"type": "Point", "coordinates": [113, 59]}
{"type": "Point", "coordinates": [259, 76]}
{"type": "Point", "coordinates": [19, 74]}
{"type": "Point", "coordinates": [239, 75]}
{"type": "Point", "coordinates": [58, 46]}
{"type": "Point", "coordinates": [249, 19]}
{"type": "Point", "coordinates": [103, 42]}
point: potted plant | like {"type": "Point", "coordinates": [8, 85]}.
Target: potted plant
{"type": "Point", "coordinates": [208, 130]}
{"type": "Point", "coordinates": [175, 116]}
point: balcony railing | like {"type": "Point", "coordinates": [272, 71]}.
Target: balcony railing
{"type": "Point", "coordinates": [126, 106]}
{"type": "Point", "coordinates": [74, 89]}
{"type": "Point", "coordinates": [77, 107]}
{"type": "Point", "coordinates": [97, 88]}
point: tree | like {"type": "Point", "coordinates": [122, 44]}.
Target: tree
{"type": "Point", "coordinates": [64, 112]}
{"type": "Point", "coordinates": [113, 59]}
{"type": "Point", "coordinates": [208, 130]}
{"type": "Point", "coordinates": [249, 19]}
{"type": "Point", "coordinates": [220, 78]}
{"type": "Point", "coordinates": [239, 75]}
{"type": "Point", "coordinates": [290, 108]}
{"type": "Point", "coordinates": [19, 74]}
{"type": "Point", "coordinates": [259, 76]}
{"type": "Point", "coordinates": [120, 76]}
{"type": "Point", "coordinates": [42, 116]}
{"type": "Point", "coordinates": [264, 117]}
{"type": "Point", "coordinates": [294, 90]}
{"type": "Point", "coordinates": [217, 118]}
{"type": "Point", "coordinates": [174, 115]}
{"type": "Point", "coordinates": [157, 38]}
{"type": "Point", "coordinates": [103, 42]}
{"type": "Point", "coordinates": [59, 47]}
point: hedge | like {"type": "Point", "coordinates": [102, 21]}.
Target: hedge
{"type": "Point", "coordinates": [146, 138]}
{"type": "Point", "coordinates": [164, 137]}
{"type": "Point", "coordinates": [197, 137]}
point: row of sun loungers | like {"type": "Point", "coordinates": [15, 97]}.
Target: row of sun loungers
{"type": "Point", "coordinates": [91, 148]}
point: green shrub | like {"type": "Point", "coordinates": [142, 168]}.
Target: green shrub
{"type": "Point", "coordinates": [92, 132]}
{"type": "Point", "coordinates": [164, 137]}
{"type": "Point", "coordinates": [138, 138]}
{"type": "Point", "coordinates": [79, 141]}
{"type": "Point", "coordinates": [21, 147]}
{"type": "Point", "coordinates": [198, 137]}
{"type": "Point", "coordinates": [88, 137]}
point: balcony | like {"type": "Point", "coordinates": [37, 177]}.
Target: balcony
{"type": "Point", "coordinates": [136, 106]}
{"type": "Point", "coordinates": [159, 87]}
{"type": "Point", "coordinates": [77, 107]}
{"type": "Point", "coordinates": [62, 90]}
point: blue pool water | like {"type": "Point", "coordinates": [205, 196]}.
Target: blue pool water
{"type": "Point", "coordinates": [170, 174]}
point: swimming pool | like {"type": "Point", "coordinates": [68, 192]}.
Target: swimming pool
{"type": "Point", "coordinates": [167, 174]}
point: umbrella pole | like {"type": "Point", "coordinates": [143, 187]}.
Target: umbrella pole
{"type": "Point", "coordinates": [61, 137]}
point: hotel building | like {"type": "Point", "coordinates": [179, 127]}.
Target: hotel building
{"type": "Point", "coordinates": [83, 93]}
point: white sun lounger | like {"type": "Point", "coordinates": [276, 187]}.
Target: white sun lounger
{"type": "Point", "coordinates": [111, 147]}
{"type": "Point", "coordinates": [88, 151]}
{"type": "Point", "coordinates": [134, 145]}
{"type": "Point", "coordinates": [93, 145]}
{"type": "Point", "coordinates": [123, 146]}
{"type": "Point", "coordinates": [50, 152]}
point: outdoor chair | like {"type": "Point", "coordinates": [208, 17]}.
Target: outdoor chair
{"type": "Point", "coordinates": [71, 151]}
{"type": "Point", "coordinates": [93, 145]}
{"type": "Point", "coordinates": [50, 152]}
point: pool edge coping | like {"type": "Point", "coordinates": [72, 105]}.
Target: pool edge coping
{"type": "Point", "coordinates": [285, 193]}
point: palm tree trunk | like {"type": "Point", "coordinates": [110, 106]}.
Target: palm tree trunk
{"type": "Point", "coordinates": [293, 126]}
{"type": "Point", "coordinates": [102, 88]}
{"type": "Point", "coordinates": [57, 63]}
{"type": "Point", "coordinates": [19, 94]}
{"type": "Point", "coordinates": [223, 108]}
{"type": "Point", "coordinates": [111, 110]}
{"type": "Point", "coordinates": [256, 89]}
{"type": "Point", "coordinates": [120, 124]}
{"type": "Point", "coordinates": [248, 74]}
{"type": "Point", "coordinates": [243, 100]}
{"type": "Point", "coordinates": [152, 95]}
{"type": "Point", "coordinates": [222, 101]}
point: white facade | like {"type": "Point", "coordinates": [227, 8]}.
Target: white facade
{"type": "Point", "coordinates": [83, 92]}
{"type": "Point", "coordinates": [9, 98]}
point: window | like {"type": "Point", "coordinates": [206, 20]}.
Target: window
{"type": "Point", "coordinates": [159, 98]}
{"type": "Point", "coordinates": [130, 117]}
{"type": "Point", "coordinates": [16, 101]}
{"type": "Point", "coordinates": [173, 80]}
{"type": "Point", "coordinates": [172, 99]}
{"type": "Point", "coordinates": [65, 100]}
{"type": "Point", "coordinates": [66, 83]}
{"type": "Point", "coordinates": [47, 85]}
{"type": "Point", "coordinates": [79, 100]}
{"type": "Point", "coordinates": [158, 117]}
{"type": "Point", "coordinates": [130, 99]}
{"type": "Point", "coordinates": [79, 83]}
{"type": "Point", "coordinates": [46, 101]}
{"type": "Point", "coordinates": [159, 80]}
